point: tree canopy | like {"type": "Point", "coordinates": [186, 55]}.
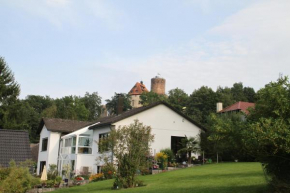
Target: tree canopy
{"type": "Point", "coordinates": [112, 104]}
{"type": "Point", "coordinates": [9, 88]}
{"type": "Point", "coordinates": [268, 134]}
{"type": "Point", "coordinates": [151, 97]}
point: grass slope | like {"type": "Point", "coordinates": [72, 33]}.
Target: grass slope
{"type": "Point", "coordinates": [217, 178]}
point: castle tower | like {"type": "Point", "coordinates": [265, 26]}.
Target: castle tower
{"type": "Point", "coordinates": [135, 93]}
{"type": "Point", "coordinates": [158, 85]}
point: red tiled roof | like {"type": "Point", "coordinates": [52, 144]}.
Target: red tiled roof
{"type": "Point", "coordinates": [138, 89]}
{"type": "Point", "coordinates": [238, 106]}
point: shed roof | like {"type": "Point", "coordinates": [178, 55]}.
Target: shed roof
{"type": "Point", "coordinates": [14, 144]}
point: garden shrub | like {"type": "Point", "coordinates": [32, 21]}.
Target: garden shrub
{"type": "Point", "coordinates": [161, 159]}
{"type": "Point", "coordinates": [57, 180]}
{"type": "Point", "coordinates": [52, 173]}
{"type": "Point", "coordinates": [130, 147]}
{"type": "Point", "coordinates": [169, 153]}
{"type": "Point", "coordinates": [4, 173]}
{"type": "Point", "coordinates": [145, 171]}
{"type": "Point", "coordinates": [109, 170]}
{"type": "Point", "coordinates": [49, 183]}
{"type": "Point", "coordinates": [19, 180]}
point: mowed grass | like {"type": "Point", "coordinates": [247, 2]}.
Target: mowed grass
{"type": "Point", "coordinates": [211, 178]}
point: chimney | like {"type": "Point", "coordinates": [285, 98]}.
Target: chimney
{"type": "Point", "coordinates": [120, 104]}
{"type": "Point", "coordinates": [219, 107]}
{"type": "Point", "coordinates": [104, 111]}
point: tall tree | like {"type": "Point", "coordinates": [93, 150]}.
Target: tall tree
{"type": "Point", "coordinates": [9, 88]}
{"type": "Point", "coordinates": [71, 107]}
{"type": "Point", "coordinates": [150, 97]}
{"type": "Point", "coordinates": [225, 96]}
{"type": "Point", "coordinates": [201, 103]}
{"type": "Point", "coordinates": [250, 94]}
{"type": "Point", "coordinates": [39, 103]}
{"type": "Point", "coordinates": [177, 98]}
{"type": "Point", "coordinates": [268, 134]}
{"type": "Point", "coordinates": [238, 92]}
{"type": "Point", "coordinates": [9, 92]}
{"type": "Point", "coordinates": [112, 104]}
{"type": "Point", "coordinates": [93, 103]}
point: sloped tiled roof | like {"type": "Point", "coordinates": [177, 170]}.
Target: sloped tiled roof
{"type": "Point", "coordinates": [14, 144]}
{"type": "Point", "coordinates": [138, 89]}
{"type": "Point", "coordinates": [113, 119]}
{"type": "Point", "coordinates": [62, 125]}
{"type": "Point", "coordinates": [34, 151]}
{"type": "Point", "coordinates": [238, 106]}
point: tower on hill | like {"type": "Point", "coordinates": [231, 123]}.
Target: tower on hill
{"type": "Point", "coordinates": [158, 85]}
{"type": "Point", "coordinates": [135, 93]}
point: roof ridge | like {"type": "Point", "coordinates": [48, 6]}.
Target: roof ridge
{"type": "Point", "coordinates": [66, 119]}
{"type": "Point", "coordinates": [14, 130]}
{"type": "Point", "coordinates": [132, 112]}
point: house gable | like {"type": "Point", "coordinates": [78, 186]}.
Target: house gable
{"type": "Point", "coordinates": [165, 124]}
{"type": "Point", "coordinates": [113, 119]}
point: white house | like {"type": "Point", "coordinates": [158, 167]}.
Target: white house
{"type": "Point", "coordinates": [50, 137]}
{"type": "Point", "coordinates": [80, 150]}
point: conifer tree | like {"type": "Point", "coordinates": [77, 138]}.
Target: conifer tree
{"type": "Point", "coordinates": [9, 88]}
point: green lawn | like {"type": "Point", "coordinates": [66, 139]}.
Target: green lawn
{"type": "Point", "coordinates": [211, 178]}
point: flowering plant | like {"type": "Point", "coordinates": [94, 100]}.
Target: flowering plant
{"type": "Point", "coordinates": [79, 178]}
{"type": "Point", "coordinates": [96, 177]}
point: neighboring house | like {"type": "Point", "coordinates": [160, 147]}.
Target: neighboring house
{"type": "Point", "coordinates": [236, 107]}
{"type": "Point", "coordinates": [135, 94]}
{"type": "Point", "coordinates": [80, 150]}
{"type": "Point", "coordinates": [52, 131]}
{"type": "Point", "coordinates": [14, 144]}
{"type": "Point", "coordinates": [34, 151]}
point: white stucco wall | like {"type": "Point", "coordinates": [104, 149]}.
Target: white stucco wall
{"type": "Point", "coordinates": [43, 155]}
{"type": "Point", "coordinates": [51, 154]}
{"type": "Point", "coordinates": [86, 160]}
{"type": "Point", "coordinates": [53, 147]}
{"type": "Point", "coordinates": [164, 123]}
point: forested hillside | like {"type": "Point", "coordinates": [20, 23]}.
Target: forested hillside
{"type": "Point", "coordinates": [25, 114]}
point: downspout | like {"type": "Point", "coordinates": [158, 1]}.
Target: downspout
{"type": "Point", "coordinates": [58, 153]}
{"type": "Point", "coordinates": [76, 154]}
{"type": "Point", "coordinates": [112, 156]}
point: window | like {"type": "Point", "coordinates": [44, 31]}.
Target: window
{"type": "Point", "coordinates": [103, 144]}
{"type": "Point", "coordinates": [85, 144]}
{"type": "Point", "coordinates": [69, 146]}
{"type": "Point", "coordinates": [73, 148]}
{"type": "Point", "coordinates": [99, 168]}
{"type": "Point", "coordinates": [44, 144]}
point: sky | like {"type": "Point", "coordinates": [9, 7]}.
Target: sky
{"type": "Point", "coordinates": [70, 47]}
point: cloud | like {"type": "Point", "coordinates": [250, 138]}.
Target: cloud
{"type": "Point", "coordinates": [250, 46]}
{"type": "Point", "coordinates": [74, 13]}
